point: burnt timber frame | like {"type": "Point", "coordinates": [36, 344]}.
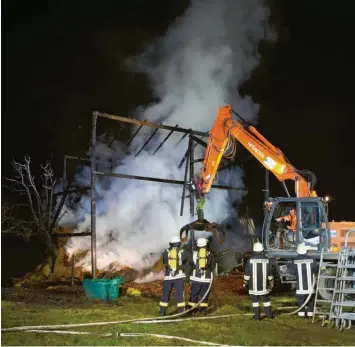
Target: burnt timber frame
{"type": "Point", "coordinates": [195, 138]}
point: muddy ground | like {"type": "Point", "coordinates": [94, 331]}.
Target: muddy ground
{"type": "Point", "coordinates": [67, 296]}
{"type": "Point", "coordinates": [61, 296]}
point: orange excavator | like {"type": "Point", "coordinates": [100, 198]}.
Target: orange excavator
{"type": "Point", "coordinates": [312, 222]}
{"type": "Point", "coordinates": [221, 144]}
{"type": "Point", "coordinates": [312, 226]}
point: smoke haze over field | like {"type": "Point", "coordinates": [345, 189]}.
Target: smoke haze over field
{"type": "Point", "coordinates": [193, 70]}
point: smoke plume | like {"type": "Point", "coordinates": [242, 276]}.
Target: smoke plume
{"type": "Point", "coordinates": [193, 70]}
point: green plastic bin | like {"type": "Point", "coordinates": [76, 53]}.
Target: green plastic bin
{"type": "Point", "coordinates": [103, 289]}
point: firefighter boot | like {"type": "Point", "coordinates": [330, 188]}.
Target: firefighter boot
{"type": "Point", "coordinates": [203, 311]}
{"type": "Point", "coordinates": [181, 307]}
{"type": "Point", "coordinates": [195, 312]}
{"type": "Point", "coordinates": [256, 310]}
{"type": "Point", "coordinates": [163, 307]}
{"type": "Point", "coordinates": [268, 312]}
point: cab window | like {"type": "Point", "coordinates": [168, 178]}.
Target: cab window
{"type": "Point", "coordinates": [312, 220]}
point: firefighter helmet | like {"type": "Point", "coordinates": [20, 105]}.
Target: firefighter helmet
{"type": "Point", "coordinates": [202, 242]}
{"type": "Point", "coordinates": [301, 248]}
{"type": "Point", "coordinates": [258, 247]}
{"type": "Point", "coordinates": [175, 240]}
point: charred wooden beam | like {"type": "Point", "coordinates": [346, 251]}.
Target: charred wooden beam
{"type": "Point", "coordinates": [198, 160]}
{"type": "Point", "coordinates": [117, 134]}
{"type": "Point", "coordinates": [149, 124]}
{"type": "Point", "coordinates": [72, 270]}
{"type": "Point", "coordinates": [140, 178]}
{"type": "Point", "coordinates": [59, 208]}
{"type": "Point", "coordinates": [93, 197]}
{"type": "Point", "coordinates": [79, 159]}
{"type": "Point", "coordinates": [161, 180]}
{"type": "Point", "coordinates": [190, 160]}
{"type": "Point", "coordinates": [146, 142]}
{"type": "Point", "coordinates": [182, 137]}
{"type": "Point", "coordinates": [75, 190]}
{"type": "Point", "coordinates": [184, 187]}
{"type": "Point", "coordinates": [71, 234]}
{"type": "Point", "coordinates": [134, 135]}
{"type": "Point", "coordinates": [161, 144]}
{"type": "Point", "coordinates": [199, 141]}
{"type": "Point", "coordinates": [183, 159]}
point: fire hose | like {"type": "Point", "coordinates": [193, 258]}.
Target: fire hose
{"type": "Point", "coordinates": [152, 319]}
{"type": "Point", "coordinates": [118, 334]}
{"type": "Point", "coordinates": [305, 302]}
{"type": "Point", "coordinates": [114, 322]}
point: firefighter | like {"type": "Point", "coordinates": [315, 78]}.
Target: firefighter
{"type": "Point", "coordinates": [173, 258]}
{"type": "Point", "coordinates": [257, 276]}
{"type": "Point", "coordinates": [304, 268]}
{"type": "Point", "coordinates": [203, 264]}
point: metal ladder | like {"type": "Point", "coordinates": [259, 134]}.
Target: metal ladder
{"type": "Point", "coordinates": [322, 274]}
{"type": "Point", "coordinates": [344, 291]}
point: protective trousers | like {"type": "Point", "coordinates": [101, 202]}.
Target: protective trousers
{"type": "Point", "coordinates": [168, 286]}
{"type": "Point", "coordinates": [256, 306]}
{"type": "Point", "coordinates": [198, 290]}
{"type": "Point", "coordinates": [309, 308]}
{"type": "Point", "coordinates": [278, 238]}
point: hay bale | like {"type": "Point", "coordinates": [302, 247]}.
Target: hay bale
{"type": "Point", "coordinates": [46, 270]}
{"type": "Point", "coordinates": [133, 292]}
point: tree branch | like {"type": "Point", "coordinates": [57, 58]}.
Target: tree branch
{"type": "Point", "coordinates": [40, 200]}
{"type": "Point", "coordinates": [19, 168]}
{"type": "Point", "coordinates": [49, 184]}
{"type": "Point", "coordinates": [33, 186]}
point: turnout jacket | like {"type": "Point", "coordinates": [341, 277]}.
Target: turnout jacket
{"type": "Point", "coordinates": [203, 264]}
{"type": "Point", "coordinates": [304, 267]}
{"type": "Point", "coordinates": [258, 272]}
{"type": "Point", "coordinates": [174, 258]}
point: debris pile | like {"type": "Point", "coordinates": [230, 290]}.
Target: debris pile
{"type": "Point", "coordinates": [147, 283]}
{"type": "Point", "coordinates": [67, 269]}
{"type": "Point", "coordinates": [232, 284]}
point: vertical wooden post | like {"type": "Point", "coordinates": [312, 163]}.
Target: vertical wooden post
{"type": "Point", "coordinates": [93, 197]}
{"type": "Point", "coordinates": [72, 269]}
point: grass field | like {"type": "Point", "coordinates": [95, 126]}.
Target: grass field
{"type": "Point", "coordinates": [21, 307]}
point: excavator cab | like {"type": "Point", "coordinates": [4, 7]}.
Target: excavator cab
{"type": "Point", "coordinates": [310, 226]}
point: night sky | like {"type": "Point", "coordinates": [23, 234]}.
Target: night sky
{"type": "Point", "coordinates": [64, 59]}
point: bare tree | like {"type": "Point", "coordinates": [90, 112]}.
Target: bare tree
{"type": "Point", "coordinates": [41, 206]}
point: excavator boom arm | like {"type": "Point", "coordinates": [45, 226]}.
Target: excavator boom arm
{"type": "Point", "coordinates": [221, 144]}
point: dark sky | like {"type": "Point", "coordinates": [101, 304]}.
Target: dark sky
{"type": "Point", "coordinates": [64, 59]}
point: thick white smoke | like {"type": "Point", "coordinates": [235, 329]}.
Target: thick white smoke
{"type": "Point", "coordinates": [194, 69]}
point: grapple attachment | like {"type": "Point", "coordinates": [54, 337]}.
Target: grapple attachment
{"type": "Point", "coordinates": [216, 229]}
{"type": "Point", "coordinates": [202, 224]}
